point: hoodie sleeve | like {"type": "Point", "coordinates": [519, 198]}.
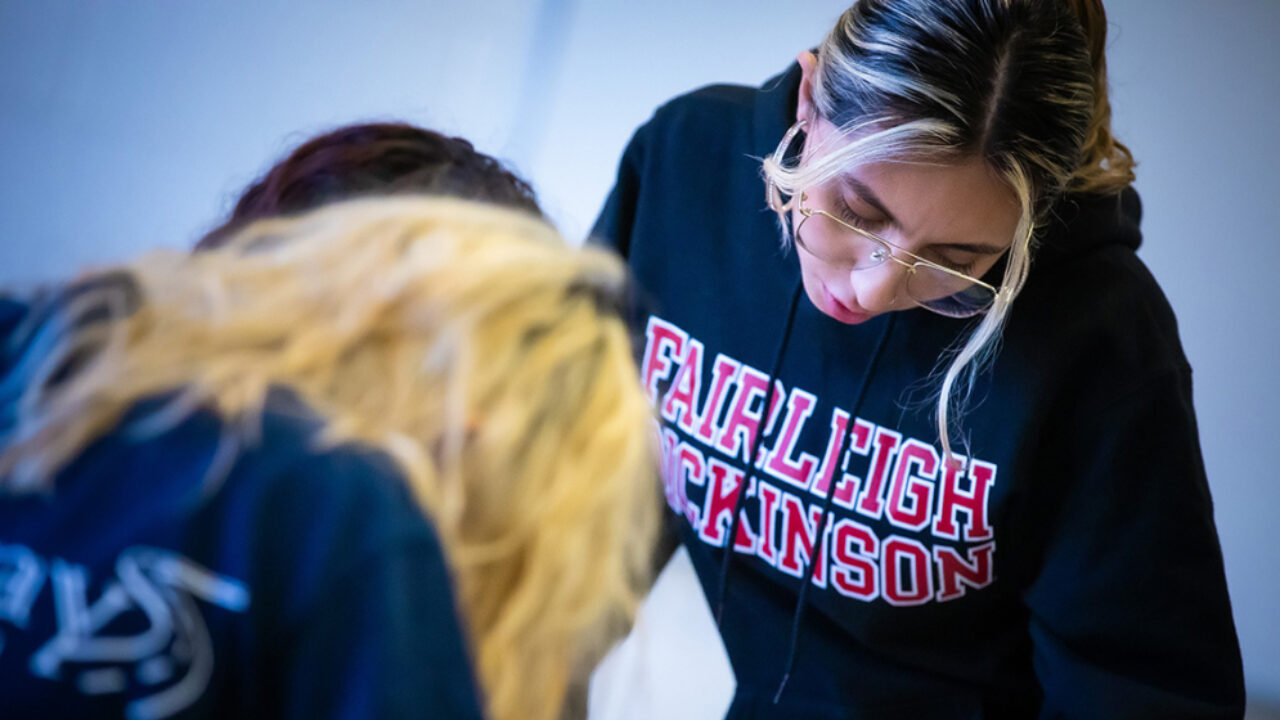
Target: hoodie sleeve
{"type": "Point", "coordinates": [613, 227]}
{"type": "Point", "coordinates": [385, 642]}
{"type": "Point", "coordinates": [354, 578]}
{"type": "Point", "coordinates": [1129, 612]}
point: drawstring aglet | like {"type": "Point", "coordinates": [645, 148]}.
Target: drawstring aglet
{"type": "Point", "coordinates": [781, 686]}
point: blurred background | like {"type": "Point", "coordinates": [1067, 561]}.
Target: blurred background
{"type": "Point", "coordinates": [130, 124]}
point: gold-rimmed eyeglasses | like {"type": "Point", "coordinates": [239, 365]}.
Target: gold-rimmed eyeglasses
{"type": "Point", "coordinates": [932, 286]}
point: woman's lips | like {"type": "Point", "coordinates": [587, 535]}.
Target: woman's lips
{"type": "Point", "coordinates": [839, 310]}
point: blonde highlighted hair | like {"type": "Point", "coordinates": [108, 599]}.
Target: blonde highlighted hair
{"type": "Point", "coordinates": [469, 343]}
{"type": "Point", "coordinates": [1019, 83]}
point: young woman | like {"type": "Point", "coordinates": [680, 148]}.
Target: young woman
{"type": "Point", "coordinates": [242, 482]}
{"type": "Point", "coordinates": [945, 424]}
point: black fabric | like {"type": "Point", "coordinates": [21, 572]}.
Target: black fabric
{"type": "Point", "coordinates": [1083, 579]}
{"type": "Point", "coordinates": [303, 584]}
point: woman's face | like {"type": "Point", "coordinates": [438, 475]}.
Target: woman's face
{"type": "Point", "coordinates": [959, 215]}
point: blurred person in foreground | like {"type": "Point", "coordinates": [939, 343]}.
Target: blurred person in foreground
{"type": "Point", "coordinates": [256, 481]}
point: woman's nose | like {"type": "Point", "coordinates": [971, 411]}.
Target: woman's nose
{"type": "Point", "coordinates": [881, 288]}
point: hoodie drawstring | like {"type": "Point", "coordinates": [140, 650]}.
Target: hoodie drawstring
{"type": "Point", "coordinates": [812, 564]}
{"type": "Point", "coordinates": [741, 498]}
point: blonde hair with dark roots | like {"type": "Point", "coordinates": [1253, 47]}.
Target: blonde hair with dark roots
{"type": "Point", "coordinates": [1015, 82]}
{"type": "Point", "coordinates": [469, 343]}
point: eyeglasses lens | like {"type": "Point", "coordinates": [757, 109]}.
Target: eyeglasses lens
{"type": "Point", "coordinates": [832, 241]}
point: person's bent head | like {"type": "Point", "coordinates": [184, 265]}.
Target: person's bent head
{"type": "Point", "coordinates": [468, 342]}
{"type": "Point", "coordinates": [936, 135]}
{"type": "Point", "coordinates": [374, 159]}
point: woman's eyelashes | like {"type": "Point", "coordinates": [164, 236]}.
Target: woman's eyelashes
{"type": "Point", "coordinates": [858, 220]}
{"type": "Point", "coordinates": [962, 267]}
{"type": "Point", "coordinates": [966, 264]}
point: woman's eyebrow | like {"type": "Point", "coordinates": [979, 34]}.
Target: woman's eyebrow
{"type": "Point", "coordinates": [868, 196]}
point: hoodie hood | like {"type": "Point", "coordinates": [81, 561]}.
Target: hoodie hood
{"type": "Point", "coordinates": [1082, 223]}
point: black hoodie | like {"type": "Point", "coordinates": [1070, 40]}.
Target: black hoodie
{"type": "Point", "coordinates": [304, 584]}
{"type": "Point", "coordinates": [1071, 571]}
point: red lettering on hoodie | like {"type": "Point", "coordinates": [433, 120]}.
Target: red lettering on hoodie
{"type": "Point", "coordinates": [724, 374]}
{"type": "Point", "coordinates": [779, 463]}
{"type": "Point", "coordinates": [886, 443]}
{"type": "Point", "coordinates": [744, 419]}
{"type": "Point", "coordinates": [955, 573]}
{"type": "Point", "coordinates": [907, 572]}
{"type": "Point", "coordinates": [725, 483]}
{"type": "Point", "coordinates": [801, 540]}
{"type": "Point", "coordinates": [972, 502]}
{"type": "Point", "coordinates": [679, 406]}
{"type": "Point", "coordinates": [663, 342]}
{"type": "Point", "coordinates": [911, 494]}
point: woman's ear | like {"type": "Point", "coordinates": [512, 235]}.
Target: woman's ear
{"type": "Point", "coordinates": [808, 74]}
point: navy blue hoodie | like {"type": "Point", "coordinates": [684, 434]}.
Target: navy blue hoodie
{"type": "Point", "coordinates": [1071, 570]}
{"type": "Point", "coordinates": [303, 584]}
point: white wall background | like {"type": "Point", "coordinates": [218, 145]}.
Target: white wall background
{"type": "Point", "coordinates": [130, 124]}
